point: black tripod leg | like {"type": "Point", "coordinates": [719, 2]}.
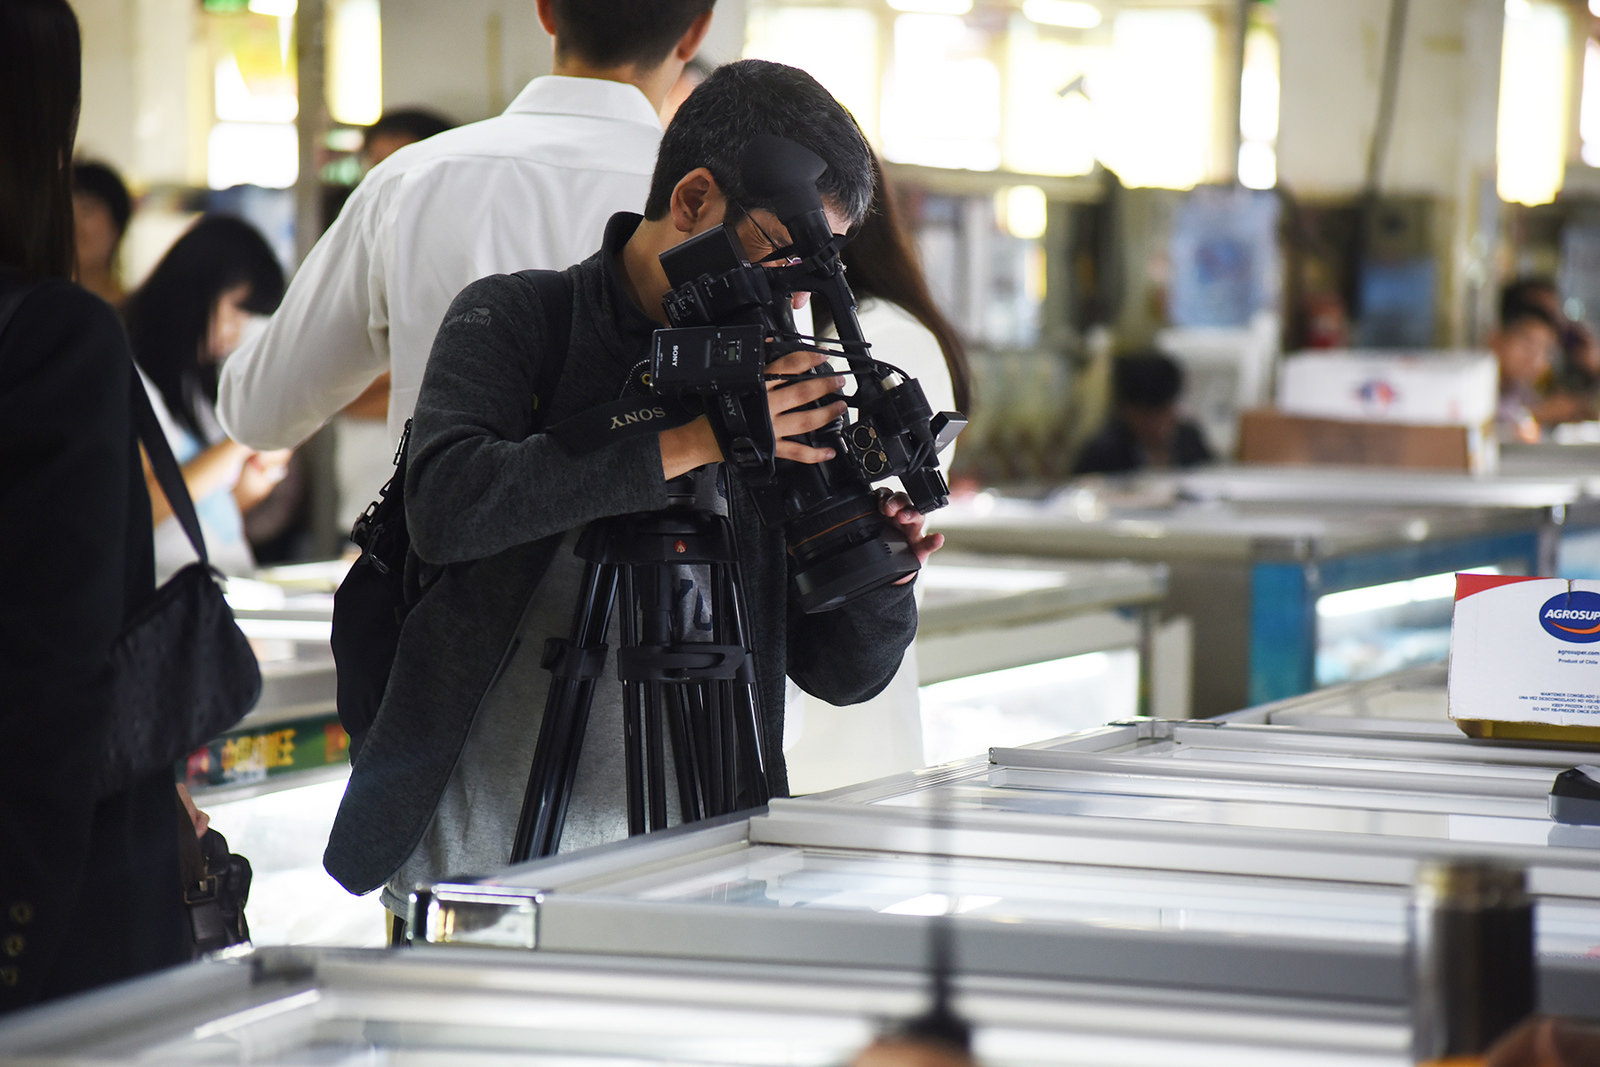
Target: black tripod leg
{"type": "Point", "coordinates": [684, 758]}
{"type": "Point", "coordinates": [718, 769]}
{"type": "Point", "coordinates": [566, 715]}
{"type": "Point", "coordinates": [752, 733]}
{"type": "Point", "coordinates": [632, 714]}
{"type": "Point", "coordinates": [656, 623]}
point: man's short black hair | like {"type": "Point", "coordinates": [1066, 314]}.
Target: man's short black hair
{"type": "Point", "coordinates": [614, 33]}
{"type": "Point", "coordinates": [417, 123]}
{"type": "Point", "coordinates": [1148, 378]}
{"type": "Point", "coordinates": [741, 100]}
{"type": "Point", "coordinates": [104, 184]}
{"type": "Point", "coordinates": [1527, 291]}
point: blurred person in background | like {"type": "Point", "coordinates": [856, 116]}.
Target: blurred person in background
{"type": "Point", "coordinates": [1524, 346]}
{"type": "Point", "coordinates": [396, 129]}
{"type": "Point", "coordinates": [1568, 389]}
{"type": "Point", "coordinates": [834, 746]}
{"type": "Point", "coordinates": [101, 209]}
{"type": "Point", "coordinates": [184, 320]}
{"type": "Point", "coordinates": [1145, 429]}
{"type": "Point", "coordinates": [89, 886]}
{"type": "Point", "coordinates": [531, 188]}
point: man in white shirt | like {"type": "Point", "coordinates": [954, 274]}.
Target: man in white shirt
{"type": "Point", "coordinates": [531, 188]}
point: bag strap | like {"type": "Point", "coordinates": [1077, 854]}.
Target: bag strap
{"type": "Point", "coordinates": [168, 474]}
{"type": "Point", "coordinates": [554, 288]}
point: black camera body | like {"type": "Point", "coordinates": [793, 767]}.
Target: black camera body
{"type": "Point", "coordinates": [730, 318]}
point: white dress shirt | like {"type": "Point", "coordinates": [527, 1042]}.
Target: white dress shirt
{"type": "Point", "coordinates": [531, 188]}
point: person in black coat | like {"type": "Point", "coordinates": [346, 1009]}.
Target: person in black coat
{"type": "Point", "coordinates": [89, 886]}
{"type": "Point", "coordinates": [1145, 429]}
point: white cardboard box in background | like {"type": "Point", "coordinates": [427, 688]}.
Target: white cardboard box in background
{"type": "Point", "coordinates": [1451, 388]}
{"type": "Point", "coordinates": [1525, 650]}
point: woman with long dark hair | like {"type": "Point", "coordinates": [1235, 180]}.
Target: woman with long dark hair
{"type": "Point", "coordinates": [897, 311]}
{"type": "Point", "coordinates": [898, 315]}
{"type": "Point", "coordinates": [89, 886]}
{"type": "Point", "coordinates": [185, 318]}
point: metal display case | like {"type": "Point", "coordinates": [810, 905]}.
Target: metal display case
{"type": "Point", "coordinates": [1412, 702]}
{"type": "Point", "coordinates": [1557, 481]}
{"type": "Point", "coordinates": [1013, 649]}
{"type": "Point", "coordinates": [272, 784]}
{"type": "Point", "coordinates": [463, 1008]}
{"type": "Point", "coordinates": [1253, 576]}
{"type": "Point", "coordinates": [985, 613]}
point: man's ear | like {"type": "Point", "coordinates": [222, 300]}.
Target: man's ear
{"type": "Point", "coordinates": [546, 18]}
{"type": "Point", "coordinates": [697, 202]}
{"type": "Point", "coordinates": [692, 38]}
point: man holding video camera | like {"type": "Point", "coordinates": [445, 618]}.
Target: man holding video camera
{"type": "Point", "coordinates": [494, 504]}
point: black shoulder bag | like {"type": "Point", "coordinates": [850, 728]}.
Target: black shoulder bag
{"type": "Point", "coordinates": [183, 672]}
{"type": "Point", "coordinates": [373, 600]}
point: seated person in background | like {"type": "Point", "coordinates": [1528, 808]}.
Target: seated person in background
{"type": "Point", "coordinates": [1575, 376]}
{"type": "Point", "coordinates": [1524, 346]}
{"type": "Point", "coordinates": [1144, 430]}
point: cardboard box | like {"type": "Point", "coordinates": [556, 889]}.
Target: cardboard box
{"type": "Point", "coordinates": [1525, 657]}
{"type": "Point", "coordinates": [1273, 437]}
{"type": "Point", "coordinates": [1418, 388]}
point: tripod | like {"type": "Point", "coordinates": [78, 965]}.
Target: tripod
{"type": "Point", "coordinates": [701, 695]}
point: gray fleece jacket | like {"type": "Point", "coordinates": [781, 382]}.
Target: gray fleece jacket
{"type": "Point", "coordinates": [487, 502]}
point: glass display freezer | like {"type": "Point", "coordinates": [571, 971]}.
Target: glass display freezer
{"type": "Point", "coordinates": [462, 1008]}
{"type": "Point", "coordinates": [1012, 649]}
{"type": "Point", "coordinates": [1559, 482]}
{"type": "Point", "coordinates": [1261, 580]}
{"type": "Point", "coordinates": [272, 784]}
{"type": "Point", "coordinates": [1070, 865]}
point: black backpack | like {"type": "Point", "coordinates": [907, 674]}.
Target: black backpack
{"type": "Point", "coordinates": [373, 600]}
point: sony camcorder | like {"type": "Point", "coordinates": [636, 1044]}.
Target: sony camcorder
{"type": "Point", "coordinates": [731, 318]}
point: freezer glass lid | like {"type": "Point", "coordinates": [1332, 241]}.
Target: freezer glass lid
{"type": "Point", "coordinates": [1313, 808]}
{"type": "Point", "coordinates": [999, 891]}
{"type": "Point", "coordinates": [435, 1008]}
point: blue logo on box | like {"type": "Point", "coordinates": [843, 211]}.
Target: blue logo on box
{"type": "Point", "coordinates": [1573, 616]}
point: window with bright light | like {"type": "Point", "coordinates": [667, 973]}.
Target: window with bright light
{"type": "Point", "coordinates": [255, 100]}
{"type": "Point", "coordinates": [1049, 116]}
{"type": "Point", "coordinates": [1535, 79]}
{"type": "Point", "coordinates": [942, 95]}
{"type": "Point", "coordinates": [838, 46]}
{"type": "Point", "coordinates": [1155, 101]}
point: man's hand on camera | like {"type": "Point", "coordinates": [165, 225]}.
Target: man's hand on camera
{"type": "Point", "coordinates": [897, 506]}
{"type": "Point", "coordinates": [683, 448]}
{"type": "Point", "coordinates": [783, 397]}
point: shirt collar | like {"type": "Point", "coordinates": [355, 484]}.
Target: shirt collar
{"type": "Point", "coordinates": [556, 94]}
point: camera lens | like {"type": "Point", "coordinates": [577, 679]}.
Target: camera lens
{"type": "Point", "coordinates": [844, 549]}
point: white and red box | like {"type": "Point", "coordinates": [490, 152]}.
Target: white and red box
{"type": "Point", "coordinates": [1525, 650]}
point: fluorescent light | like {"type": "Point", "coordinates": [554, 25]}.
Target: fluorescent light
{"type": "Point", "coordinates": [1431, 587]}
{"type": "Point", "coordinates": [1258, 165]}
{"type": "Point", "coordinates": [1024, 211]}
{"type": "Point", "coordinates": [281, 8]}
{"type": "Point", "coordinates": [932, 7]}
{"type": "Point", "coordinates": [1073, 14]}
